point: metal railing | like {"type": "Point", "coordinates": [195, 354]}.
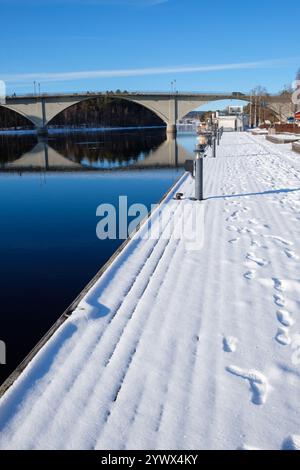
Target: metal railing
{"type": "Point", "coordinates": [220, 95]}
{"type": "Point", "coordinates": [235, 95]}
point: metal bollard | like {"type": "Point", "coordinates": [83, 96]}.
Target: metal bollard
{"type": "Point", "coordinates": [214, 147]}
{"type": "Point", "coordinates": [199, 177]}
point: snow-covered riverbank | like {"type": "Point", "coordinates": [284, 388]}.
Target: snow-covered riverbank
{"type": "Point", "coordinates": [179, 349]}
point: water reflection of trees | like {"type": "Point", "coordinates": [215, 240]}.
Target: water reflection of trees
{"type": "Point", "coordinates": [116, 147]}
{"type": "Point", "coordinates": [94, 149]}
{"type": "Point", "coordinates": [13, 147]}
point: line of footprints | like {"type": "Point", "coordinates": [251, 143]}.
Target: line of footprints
{"type": "Point", "coordinates": [258, 382]}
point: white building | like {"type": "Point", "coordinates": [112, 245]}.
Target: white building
{"type": "Point", "coordinates": [233, 119]}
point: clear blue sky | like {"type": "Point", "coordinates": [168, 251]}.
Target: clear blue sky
{"type": "Point", "coordinates": [205, 45]}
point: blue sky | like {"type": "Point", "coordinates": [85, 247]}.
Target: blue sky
{"type": "Point", "coordinates": [77, 45]}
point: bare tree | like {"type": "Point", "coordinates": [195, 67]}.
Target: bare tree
{"type": "Point", "coordinates": [259, 94]}
{"type": "Point", "coordinates": [298, 75]}
{"type": "Point", "coordinates": [286, 90]}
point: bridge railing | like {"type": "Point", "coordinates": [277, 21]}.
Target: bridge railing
{"type": "Point", "coordinates": [226, 95]}
{"type": "Point", "coordinates": [130, 93]}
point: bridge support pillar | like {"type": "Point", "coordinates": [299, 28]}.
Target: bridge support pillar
{"type": "Point", "coordinates": [172, 129]}
{"type": "Point", "coordinates": [42, 131]}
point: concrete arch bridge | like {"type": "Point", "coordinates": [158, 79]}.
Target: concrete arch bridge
{"type": "Point", "coordinates": [170, 107]}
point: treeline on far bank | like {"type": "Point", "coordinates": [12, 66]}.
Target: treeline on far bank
{"type": "Point", "coordinates": [100, 112]}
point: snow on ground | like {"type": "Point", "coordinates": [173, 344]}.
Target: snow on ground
{"type": "Point", "coordinates": [287, 136]}
{"type": "Point", "coordinates": [296, 146]}
{"type": "Point", "coordinates": [283, 138]}
{"type": "Point", "coordinates": [178, 349]}
{"type": "Point", "coordinates": [258, 131]}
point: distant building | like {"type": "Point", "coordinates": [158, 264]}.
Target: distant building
{"type": "Point", "coordinates": [234, 110]}
{"type": "Point", "coordinates": [233, 119]}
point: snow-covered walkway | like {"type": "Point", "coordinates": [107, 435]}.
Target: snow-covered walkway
{"type": "Point", "coordinates": [177, 349]}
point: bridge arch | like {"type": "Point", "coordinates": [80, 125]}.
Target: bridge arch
{"type": "Point", "coordinates": [193, 106]}
{"type": "Point", "coordinates": [163, 118]}
{"type": "Point", "coordinates": [155, 109]}
{"type": "Point", "coordinates": [31, 121]}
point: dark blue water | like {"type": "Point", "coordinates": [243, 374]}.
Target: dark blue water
{"type": "Point", "coordinates": [48, 245]}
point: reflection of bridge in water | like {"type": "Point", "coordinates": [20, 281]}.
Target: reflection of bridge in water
{"type": "Point", "coordinates": [43, 157]}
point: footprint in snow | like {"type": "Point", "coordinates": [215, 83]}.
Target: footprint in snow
{"type": "Point", "coordinates": [291, 443]}
{"type": "Point", "coordinates": [232, 228]}
{"type": "Point", "coordinates": [283, 337]}
{"type": "Point", "coordinates": [233, 216]}
{"type": "Point", "coordinates": [279, 300]}
{"type": "Point", "coordinates": [285, 318]}
{"type": "Point", "coordinates": [230, 344]}
{"type": "Point", "coordinates": [260, 261]}
{"type": "Point", "coordinates": [253, 222]}
{"type": "Point", "coordinates": [291, 254]}
{"type": "Point", "coordinates": [250, 275]}
{"type": "Point", "coordinates": [279, 239]}
{"type": "Point", "coordinates": [258, 383]}
{"type": "Point", "coordinates": [278, 284]}
{"type": "Point", "coordinates": [247, 230]}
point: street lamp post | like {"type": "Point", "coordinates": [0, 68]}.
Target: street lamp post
{"type": "Point", "coordinates": [208, 138]}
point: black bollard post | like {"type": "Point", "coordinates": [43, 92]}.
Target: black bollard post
{"type": "Point", "coordinates": [199, 177]}
{"type": "Point", "coordinates": [200, 154]}
{"type": "Point", "coordinates": [214, 146]}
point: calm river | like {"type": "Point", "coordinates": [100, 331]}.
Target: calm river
{"type": "Point", "coordinates": [49, 192]}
